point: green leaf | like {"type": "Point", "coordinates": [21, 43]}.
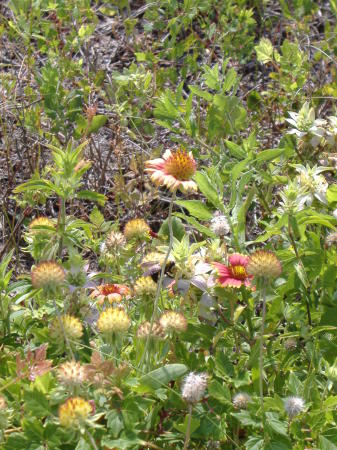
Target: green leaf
{"type": "Point", "coordinates": [160, 377]}
{"type": "Point", "coordinates": [92, 196]}
{"type": "Point", "coordinates": [269, 155]}
{"type": "Point", "coordinates": [219, 392]}
{"type": "Point", "coordinates": [177, 228]}
{"type": "Point", "coordinates": [264, 51]}
{"type": "Point", "coordinates": [254, 443]}
{"type": "Point", "coordinates": [235, 150]}
{"type": "Point", "coordinates": [275, 424]}
{"type": "Point", "coordinates": [229, 80]}
{"type": "Point", "coordinates": [97, 122]}
{"type": "Point", "coordinates": [208, 190]}
{"type": "Point", "coordinates": [331, 193]}
{"type": "Point", "coordinates": [326, 444]}
{"type": "Point", "coordinates": [192, 221]}
{"type": "Point", "coordinates": [183, 426]}
{"type": "Point", "coordinates": [200, 93]}
{"type": "Point", "coordinates": [196, 208]}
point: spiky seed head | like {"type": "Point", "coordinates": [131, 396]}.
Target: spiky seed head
{"type": "Point", "coordinates": [294, 406]}
{"type": "Point", "coordinates": [264, 264]}
{"type": "Point", "coordinates": [114, 241]}
{"type": "Point", "coordinates": [145, 286]}
{"type": "Point", "coordinates": [241, 400]}
{"type": "Point", "coordinates": [290, 344]}
{"type": "Point", "coordinates": [144, 331]}
{"type": "Point", "coordinates": [71, 326]}
{"type": "Point", "coordinates": [220, 225]}
{"type": "Point", "coordinates": [194, 386]}
{"type": "Point", "coordinates": [113, 320]}
{"type": "Point", "coordinates": [71, 373]}
{"type": "Point", "coordinates": [40, 222]}
{"type": "Point", "coordinates": [173, 321]}
{"type": "Point", "coordinates": [74, 412]}
{"type": "Point", "coordinates": [137, 230]}
{"type": "Point", "coordinates": [47, 275]}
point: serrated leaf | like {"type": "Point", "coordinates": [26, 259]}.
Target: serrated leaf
{"type": "Point", "coordinates": [92, 196]}
{"type": "Point", "coordinates": [264, 51]}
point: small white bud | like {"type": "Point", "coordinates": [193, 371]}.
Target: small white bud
{"type": "Point", "coordinates": [219, 225]}
{"type": "Point", "coordinates": [194, 387]}
{"type": "Point", "coordinates": [241, 400]}
{"type": "Point", "coordinates": [293, 406]}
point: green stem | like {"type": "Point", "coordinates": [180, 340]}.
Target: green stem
{"type": "Point", "coordinates": [263, 295]}
{"type": "Point", "coordinates": [293, 243]}
{"type": "Point", "coordinates": [91, 439]}
{"type": "Point", "coordinates": [62, 224]}
{"type": "Point", "coordinates": [161, 278]}
{"type": "Point", "coordinates": [188, 428]}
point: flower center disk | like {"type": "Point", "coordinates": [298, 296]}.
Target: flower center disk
{"type": "Point", "coordinates": [180, 165]}
{"type": "Point", "coordinates": [238, 272]}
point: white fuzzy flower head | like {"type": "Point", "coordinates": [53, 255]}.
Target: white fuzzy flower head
{"type": "Point", "coordinates": [241, 400]}
{"type": "Point", "coordinates": [219, 225]}
{"type": "Point", "coordinates": [294, 406]}
{"type": "Point", "coordinates": [194, 387]}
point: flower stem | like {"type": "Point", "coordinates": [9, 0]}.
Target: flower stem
{"type": "Point", "coordinates": [188, 428]}
{"type": "Point", "coordinates": [263, 295]}
{"type": "Point", "coordinates": [161, 278]}
{"type": "Point", "coordinates": [91, 439]}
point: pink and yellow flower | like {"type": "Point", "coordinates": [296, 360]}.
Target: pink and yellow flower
{"type": "Point", "coordinates": [235, 274]}
{"type": "Point", "coordinates": [174, 170]}
{"type": "Point", "coordinates": [113, 293]}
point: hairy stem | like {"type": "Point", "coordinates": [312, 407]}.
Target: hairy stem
{"type": "Point", "coordinates": [263, 295]}
{"type": "Point", "coordinates": [188, 428]}
{"type": "Point", "coordinates": [91, 439]}
{"type": "Point", "coordinates": [161, 278]}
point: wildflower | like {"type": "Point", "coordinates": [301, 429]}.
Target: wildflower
{"type": "Point", "coordinates": [264, 264]}
{"type": "Point", "coordinates": [172, 320]}
{"type": "Point", "coordinates": [241, 400]}
{"type": "Point", "coordinates": [331, 239]}
{"type": "Point", "coordinates": [145, 286]}
{"type": "Point", "coordinates": [194, 387]}
{"type": "Point", "coordinates": [113, 293]}
{"type": "Point", "coordinates": [290, 344]}
{"type": "Point", "coordinates": [40, 222]}
{"type": "Point", "coordinates": [71, 373]}
{"type": "Point", "coordinates": [136, 229]}
{"type": "Point", "coordinates": [47, 275]}
{"type": "Point", "coordinates": [220, 225]}
{"type": "Point", "coordinates": [3, 403]}
{"type": "Point", "coordinates": [157, 331]}
{"type": "Point", "coordinates": [113, 320]}
{"type": "Point", "coordinates": [114, 241]}
{"type": "Point", "coordinates": [313, 183]}
{"type": "Point", "coordinates": [74, 412]}
{"type": "Point", "coordinates": [306, 127]}
{"type": "Point", "coordinates": [294, 406]}
{"type": "Point", "coordinates": [235, 274]}
{"type": "Point", "coordinates": [174, 170]}
{"type": "Point", "coordinates": [71, 327]}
